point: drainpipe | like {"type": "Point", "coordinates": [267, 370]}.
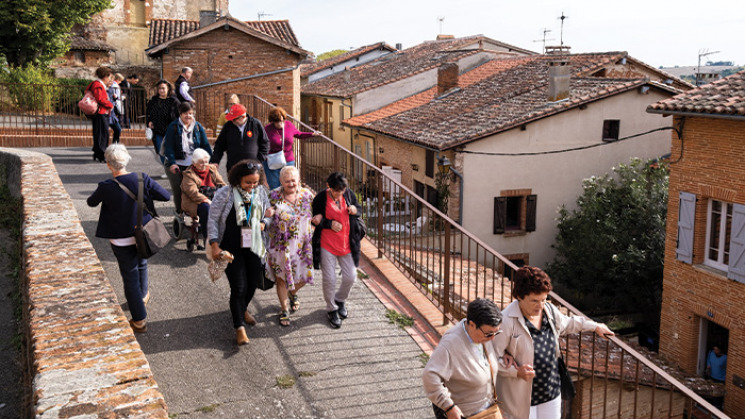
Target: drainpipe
{"type": "Point", "coordinates": [460, 188]}
{"type": "Point", "coordinates": [341, 118]}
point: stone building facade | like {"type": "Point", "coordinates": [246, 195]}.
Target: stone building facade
{"type": "Point", "coordinates": [703, 299]}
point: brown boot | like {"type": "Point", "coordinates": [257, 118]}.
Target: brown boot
{"type": "Point", "coordinates": [240, 336]}
{"type": "Point", "coordinates": [249, 319]}
{"type": "Point", "coordinates": [138, 327]}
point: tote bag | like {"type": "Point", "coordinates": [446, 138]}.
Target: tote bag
{"type": "Point", "coordinates": [277, 160]}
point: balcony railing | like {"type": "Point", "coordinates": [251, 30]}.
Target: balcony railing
{"type": "Point", "coordinates": [44, 109]}
{"type": "Point", "coordinates": [451, 267]}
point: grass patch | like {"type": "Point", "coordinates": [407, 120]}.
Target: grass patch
{"type": "Point", "coordinates": [307, 373]}
{"type": "Point", "coordinates": [173, 415]}
{"type": "Point", "coordinates": [399, 319]}
{"type": "Point", "coordinates": [209, 408]}
{"type": "Point", "coordinates": [285, 381]}
{"type": "Point", "coordinates": [616, 323]}
{"type": "Point", "coordinates": [424, 358]}
{"type": "Point", "coordinates": [361, 274]}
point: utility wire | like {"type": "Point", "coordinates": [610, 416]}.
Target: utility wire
{"type": "Point", "coordinates": [487, 153]}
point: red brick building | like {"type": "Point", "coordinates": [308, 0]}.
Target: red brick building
{"type": "Point", "coordinates": [230, 56]}
{"type": "Point", "coordinates": [703, 300]}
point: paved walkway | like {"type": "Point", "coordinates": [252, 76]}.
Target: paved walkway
{"type": "Point", "coordinates": [368, 368]}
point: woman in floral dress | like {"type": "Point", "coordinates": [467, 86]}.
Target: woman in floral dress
{"type": "Point", "coordinates": [290, 254]}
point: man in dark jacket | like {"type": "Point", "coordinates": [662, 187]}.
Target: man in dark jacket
{"type": "Point", "coordinates": [183, 90]}
{"type": "Point", "coordinates": [242, 137]}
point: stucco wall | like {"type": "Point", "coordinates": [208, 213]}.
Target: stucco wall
{"type": "Point", "coordinates": [555, 178]}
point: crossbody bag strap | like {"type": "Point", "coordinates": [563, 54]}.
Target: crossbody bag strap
{"type": "Point", "coordinates": [282, 149]}
{"type": "Point", "coordinates": [491, 371]}
{"type": "Point", "coordinates": [140, 193]}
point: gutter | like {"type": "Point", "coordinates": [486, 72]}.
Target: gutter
{"type": "Point", "coordinates": [253, 76]}
{"type": "Point", "coordinates": [698, 114]}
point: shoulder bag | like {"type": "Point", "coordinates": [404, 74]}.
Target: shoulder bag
{"type": "Point", "coordinates": [88, 104]}
{"type": "Point", "coordinates": [567, 385]}
{"type": "Point", "coordinates": [153, 236]}
{"type": "Point", "coordinates": [276, 161]}
{"type": "Point", "coordinates": [492, 412]}
{"type": "Point", "coordinates": [356, 222]}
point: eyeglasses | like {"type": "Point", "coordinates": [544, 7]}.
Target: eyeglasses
{"type": "Point", "coordinates": [490, 334]}
{"type": "Point", "coordinates": [252, 166]}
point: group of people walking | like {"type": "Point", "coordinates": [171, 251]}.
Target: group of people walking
{"type": "Point", "coordinates": [510, 356]}
{"type": "Point", "coordinates": [277, 231]}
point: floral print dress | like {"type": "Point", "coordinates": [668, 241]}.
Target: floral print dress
{"type": "Point", "coordinates": [290, 253]}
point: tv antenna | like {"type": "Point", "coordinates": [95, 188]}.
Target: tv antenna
{"type": "Point", "coordinates": [702, 53]}
{"type": "Point", "coordinates": [262, 14]}
{"type": "Point", "coordinates": [545, 31]}
{"type": "Point", "coordinates": [561, 36]}
{"type": "Point", "coordinates": [441, 19]}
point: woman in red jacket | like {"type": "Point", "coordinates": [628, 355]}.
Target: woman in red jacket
{"type": "Point", "coordinates": [101, 118]}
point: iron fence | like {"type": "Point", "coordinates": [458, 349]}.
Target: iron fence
{"type": "Point", "coordinates": [451, 267]}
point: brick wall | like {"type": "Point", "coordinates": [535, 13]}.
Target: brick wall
{"type": "Point", "coordinates": [221, 55]}
{"type": "Point", "coordinates": [711, 167]}
{"type": "Point", "coordinates": [81, 355]}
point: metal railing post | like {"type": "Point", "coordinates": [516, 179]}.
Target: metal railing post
{"type": "Point", "coordinates": [379, 210]}
{"type": "Point", "coordinates": [446, 276]}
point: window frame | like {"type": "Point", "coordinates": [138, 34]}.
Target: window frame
{"type": "Point", "coordinates": [611, 130]}
{"type": "Point", "coordinates": [725, 231]}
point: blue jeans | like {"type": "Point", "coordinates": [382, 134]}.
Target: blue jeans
{"type": "Point", "coordinates": [157, 142]}
{"type": "Point", "coordinates": [114, 125]}
{"type": "Point", "coordinates": [134, 275]}
{"type": "Point", "coordinates": [272, 176]}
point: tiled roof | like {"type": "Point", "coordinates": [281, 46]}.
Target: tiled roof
{"type": "Point", "coordinates": [82, 44]}
{"type": "Point", "coordinates": [391, 67]}
{"type": "Point", "coordinates": [308, 69]}
{"type": "Point", "coordinates": [163, 30]}
{"type": "Point", "coordinates": [725, 97]}
{"type": "Point", "coordinates": [513, 94]}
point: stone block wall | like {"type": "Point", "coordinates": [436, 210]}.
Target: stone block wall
{"type": "Point", "coordinates": [81, 355]}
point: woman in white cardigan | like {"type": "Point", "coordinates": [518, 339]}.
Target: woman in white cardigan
{"type": "Point", "coordinates": [459, 376]}
{"type": "Point", "coordinates": [529, 385]}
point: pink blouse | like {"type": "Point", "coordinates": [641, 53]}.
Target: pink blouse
{"type": "Point", "coordinates": [275, 138]}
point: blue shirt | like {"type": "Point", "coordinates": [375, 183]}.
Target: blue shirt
{"type": "Point", "coordinates": [718, 366]}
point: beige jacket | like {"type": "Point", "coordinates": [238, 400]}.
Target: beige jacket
{"type": "Point", "coordinates": [190, 196]}
{"type": "Point", "coordinates": [454, 374]}
{"type": "Point", "coordinates": [513, 392]}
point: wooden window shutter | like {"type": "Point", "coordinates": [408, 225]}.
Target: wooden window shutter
{"type": "Point", "coordinates": [686, 217]}
{"type": "Point", "coordinates": [500, 214]}
{"type": "Point", "coordinates": [530, 209]}
{"type": "Point", "coordinates": [736, 269]}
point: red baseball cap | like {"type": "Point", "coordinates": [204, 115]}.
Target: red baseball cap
{"type": "Point", "coordinates": [236, 111]}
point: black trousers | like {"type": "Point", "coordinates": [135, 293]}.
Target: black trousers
{"type": "Point", "coordinates": [100, 134]}
{"type": "Point", "coordinates": [243, 275]}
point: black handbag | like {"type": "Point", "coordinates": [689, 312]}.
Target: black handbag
{"type": "Point", "coordinates": [153, 236]}
{"type": "Point", "coordinates": [567, 385]}
{"type": "Point", "coordinates": [265, 283]}
{"type": "Point", "coordinates": [356, 223]}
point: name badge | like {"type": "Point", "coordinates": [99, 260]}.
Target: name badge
{"type": "Point", "coordinates": [246, 236]}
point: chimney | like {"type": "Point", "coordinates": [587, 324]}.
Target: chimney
{"type": "Point", "coordinates": [447, 77]}
{"type": "Point", "coordinates": [399, 46]}
{"type": "Point", "coordinates": [558, 78]}
{"type": "Point", "coordinates": [442, 37]}
{"type": "Point", "coordinates": [207, 17]}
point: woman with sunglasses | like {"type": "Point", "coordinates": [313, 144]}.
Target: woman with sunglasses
{"type": "Point", "coordinates": [238, 217]}
{"type": "Point", "coordinates": [529, 384]}
{"type": "Point", "coordinates": [459, 376]}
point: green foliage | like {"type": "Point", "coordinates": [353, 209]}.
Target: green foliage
{"type": "Point", "coordinates": [330, 54]}
{"type": "Point", "coordinates": [402, 320]}
{"type": "Point", "coordinates": [285, 381]}
{"type": "Point", "coordinates": [34, 88]}
{"type": "Point", "coordinates": [610, 249]}
{"type": "Point", "coordinates": [36, 31]}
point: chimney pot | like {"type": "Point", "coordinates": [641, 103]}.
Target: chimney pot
{"type": "Point", "coordinates": [447, 77]}
{"type": "Point", "coordinates": [558, 79]}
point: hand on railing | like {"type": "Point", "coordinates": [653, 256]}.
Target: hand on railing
{"type": "Point", "coordinates": [604, 332]}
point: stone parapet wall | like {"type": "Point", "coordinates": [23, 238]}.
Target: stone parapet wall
{"type": "Point", "coordinates": [81, 355]}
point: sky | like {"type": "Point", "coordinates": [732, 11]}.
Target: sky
{"type": "Point", "coordinates": [659, 32]}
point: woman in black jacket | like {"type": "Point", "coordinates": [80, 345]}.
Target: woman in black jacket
{"type": "Point", "coordinates": [116, 223]}
{"type": "Point", "coordinates": [162, 109]}
{"type": "Point", "coordinates": [336, 239]}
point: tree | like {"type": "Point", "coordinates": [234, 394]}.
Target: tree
{"type": "Point", "coordinates": [610, 250]}
{"type": "Point", "coordinates": [330, 54]}
{"type": "Point", "coordinates": [36, 31]}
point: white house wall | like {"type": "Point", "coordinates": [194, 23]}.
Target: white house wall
{"type": "Point", "coordinates": [555, 178]}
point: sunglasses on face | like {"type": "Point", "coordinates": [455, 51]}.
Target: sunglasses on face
{"type": "Point", "coordinates": [253, 166]}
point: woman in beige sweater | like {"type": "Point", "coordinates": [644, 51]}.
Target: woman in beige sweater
{"type": "Point", "coordinates": [458, 378]}
{"type": "Point", "coordinates": [529, 384]}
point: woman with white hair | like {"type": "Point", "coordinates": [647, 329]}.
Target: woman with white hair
{"type": "Point", "coordinates": [116, 223]}
{"type": "Point", "coordinates": [290, 254]}
{"type": "Point", "coordinates": [198, 186]}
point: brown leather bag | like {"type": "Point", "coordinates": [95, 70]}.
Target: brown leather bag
{"type": "Point", "coordinates": [492, 412]}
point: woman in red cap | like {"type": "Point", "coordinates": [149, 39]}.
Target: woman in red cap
{"type": "Point", "coordinates": [241, 138]}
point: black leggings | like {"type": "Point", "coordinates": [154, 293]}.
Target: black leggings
{"type": "Point", "coordinates": [243, 274]}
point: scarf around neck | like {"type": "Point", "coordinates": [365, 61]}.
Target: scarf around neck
{"type": "Point", "coordinates": [186, 134]}
{"type": "Point", "coordinates": [241, 197]}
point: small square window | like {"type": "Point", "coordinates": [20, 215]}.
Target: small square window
{"type": "Point", "coordinates": [611, 128]}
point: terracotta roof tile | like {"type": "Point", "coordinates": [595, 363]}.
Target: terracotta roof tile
{"type": "Point", "coordinates": [163, 30]}
{"type": "Point", "coordinates": [392, 67]}
{"type": "Point", "coordinates": [308, 69]}
{"type": "Point", "coordinates": [83, 44]}
{"type": "Point", "coordinates": [725, 97]}
{"type": "Point", "coordinates": [513, 92]}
